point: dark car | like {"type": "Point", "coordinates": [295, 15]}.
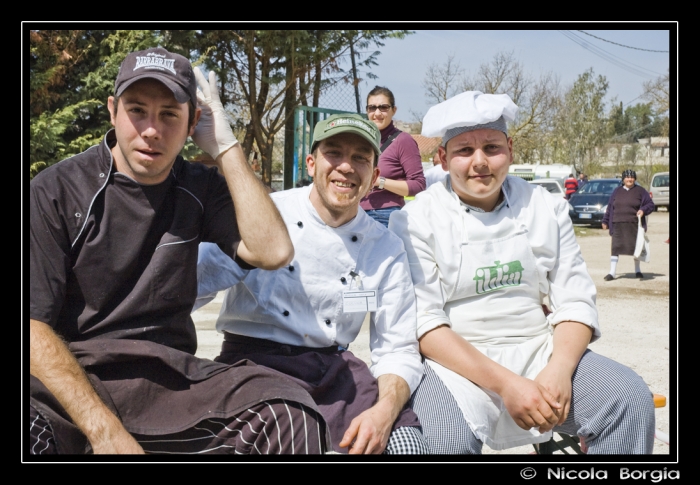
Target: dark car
{"type": "Point", "coordinates": [588, 204]}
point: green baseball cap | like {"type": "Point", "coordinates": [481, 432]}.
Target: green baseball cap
{"type": "Point", "coordinates": [347, 123]}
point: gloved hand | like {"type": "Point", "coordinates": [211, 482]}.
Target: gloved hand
{"type": "Point", "coordinates": [213, 133]}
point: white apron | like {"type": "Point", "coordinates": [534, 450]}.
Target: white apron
{"type": "Point", "coordinates": [496, 305]}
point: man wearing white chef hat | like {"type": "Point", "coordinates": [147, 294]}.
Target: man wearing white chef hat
{"type": "Point", "coordinates": [485, 249]}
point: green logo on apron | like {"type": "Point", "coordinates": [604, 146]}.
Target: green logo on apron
{"type": "Point", "coordinates": [492, 278]}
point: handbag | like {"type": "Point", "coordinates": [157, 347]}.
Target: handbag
{"type": "Point", "coordinates": [641, 249]}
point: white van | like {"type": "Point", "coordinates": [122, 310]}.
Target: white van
{"type": "Point", "coordinates": [540, 171]}
{"type": "Point", "coordinates": [659, 190]}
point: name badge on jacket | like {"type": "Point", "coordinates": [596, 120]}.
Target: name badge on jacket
{"type": "Point", "coordinates": [359, 301]}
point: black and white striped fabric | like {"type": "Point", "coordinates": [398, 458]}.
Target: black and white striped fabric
{"type": "Point", "coordinates": [41, 440]}
{"type": "Point", "coordinates": [612, 409]}
{"type": "Point", "coordinates": [270, 427]}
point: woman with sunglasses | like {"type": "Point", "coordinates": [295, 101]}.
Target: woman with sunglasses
{"type": "Point", "coordinates": [400, 168]}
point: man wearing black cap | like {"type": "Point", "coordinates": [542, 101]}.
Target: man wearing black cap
{"type": "Point", "coordinates": [114, 235]}
{"type": "Point", "coordinates": [628, 205]}
{"type": "Point", "coordinates": [300, 320]}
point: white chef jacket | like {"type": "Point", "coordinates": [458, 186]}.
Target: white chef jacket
{"type": "Point", "coordinates": [302, 304]}
{"type": "Point", "coordinates": [434, 174]}
{"type": "Point", "coordinates": [512, 330]}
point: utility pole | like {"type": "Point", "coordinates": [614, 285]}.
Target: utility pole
{"type": "Point", "coordinates": [355, 81]}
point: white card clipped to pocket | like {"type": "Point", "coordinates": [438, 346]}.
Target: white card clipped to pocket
{"type": "Point", "coordinates": [359, 301]}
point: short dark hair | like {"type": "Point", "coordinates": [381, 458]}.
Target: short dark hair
{"type": "Point", "coordinates": [190, 114]}
{"type": "Point", "coordinates": [381, 90]}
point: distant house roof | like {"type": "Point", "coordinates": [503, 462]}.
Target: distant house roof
{"type": "Point", "coordinates": [427, 146]}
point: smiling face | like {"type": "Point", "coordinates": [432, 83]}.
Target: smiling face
{"type": "Point", "coordinates": [382, 120]}
{"type": "Point", "coordinates": [629, 182]}
{"type": "Point", "coordinates": [344, 171]}
{"type": "Point", "coordinates": [151, 128]}
{"type": "Point", "coordinates": [478, 162]}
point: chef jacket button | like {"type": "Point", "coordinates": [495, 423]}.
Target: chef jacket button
{"type": "Point", "coordinates": [354, 238]}
{"type": "Point", "coordinates": [300, 224]}
{"type": "Point", "coordinates": [342, 279]}
{"type": "Point", "coordinates": [285, 313]}
{"type": "Point", "coordinates": [328, 322]}
{"type": "Point", "coordinates": [291, 267]}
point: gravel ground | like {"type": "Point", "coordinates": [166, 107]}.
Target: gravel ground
{"type": "Point", "coordinates": [634, 315]}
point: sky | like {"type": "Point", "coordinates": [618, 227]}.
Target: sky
{"type": "Point", "coordinates": [566, 53]}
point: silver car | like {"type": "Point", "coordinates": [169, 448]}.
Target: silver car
{"type": "Point", "coordinates": [659, 190]}
{"type": "Point", "coordinates": [552, 185]}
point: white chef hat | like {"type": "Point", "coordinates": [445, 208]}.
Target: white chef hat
{"type": "Point", "coordinates": [471, 110]}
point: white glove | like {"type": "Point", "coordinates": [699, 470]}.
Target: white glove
{"type": "Point", "coordinates": [213, 133]}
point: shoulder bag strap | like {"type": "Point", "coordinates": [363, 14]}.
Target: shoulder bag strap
{"type": "Point", "coordinates": [389, 140]}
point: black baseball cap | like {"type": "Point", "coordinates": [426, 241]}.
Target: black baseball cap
{"type": "Point", "coordinates": [173, 70]}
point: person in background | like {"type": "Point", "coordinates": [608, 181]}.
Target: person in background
{"type": "Point", "coordinates": [582, 179]}
{"type": "Point", "coordinates": [627, 203]}
{"type": "Point", "coordinates": [436, 173]}
{"type": "Point", "coordinates": [570, 185]}
{"type": "Point", "coordinates": [400, 167]}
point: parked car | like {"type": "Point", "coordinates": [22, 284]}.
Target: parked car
{"type": "Point", "coordinates": [553, 186]}
{"type": "Point", "coordinates": [659, 190]}
{"type": "Point", "coordinates": [588, 204]}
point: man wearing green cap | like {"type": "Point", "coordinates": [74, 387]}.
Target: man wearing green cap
{"type": "Point", "coordinates": [300, 319]}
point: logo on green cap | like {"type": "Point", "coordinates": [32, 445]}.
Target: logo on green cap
{"type": "Point", "coordinates": [350, 121]}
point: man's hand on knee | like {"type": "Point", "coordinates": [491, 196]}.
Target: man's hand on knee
{"type": "Point", "coordinates": [369, 432]}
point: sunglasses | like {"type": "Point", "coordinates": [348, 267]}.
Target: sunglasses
{"type": "Point", "coordinates": [371, 108]}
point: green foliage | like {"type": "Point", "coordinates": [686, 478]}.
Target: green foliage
{"type": "Point", "coordinates": [48, 143]}
{"type": "Point", "coordinates": [265, 74]}
{"type": "Point", "coordinates": [638, 121]}
{"type": "Point", "coordinates": [71, 75]}
{"type": "Point", "coordinates": [581, 124]}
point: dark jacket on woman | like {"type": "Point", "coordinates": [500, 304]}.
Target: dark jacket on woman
{"type": "Point", "coordinates": [642, 201]}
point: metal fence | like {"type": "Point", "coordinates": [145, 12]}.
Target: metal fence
{"type": "Point", "coordinates": [338, 97]}
{"type": "Point", "coordinates": [305, 119]}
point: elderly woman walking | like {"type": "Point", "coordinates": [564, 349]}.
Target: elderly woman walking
{"type": "Point", "coordinates": [626, 204]}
